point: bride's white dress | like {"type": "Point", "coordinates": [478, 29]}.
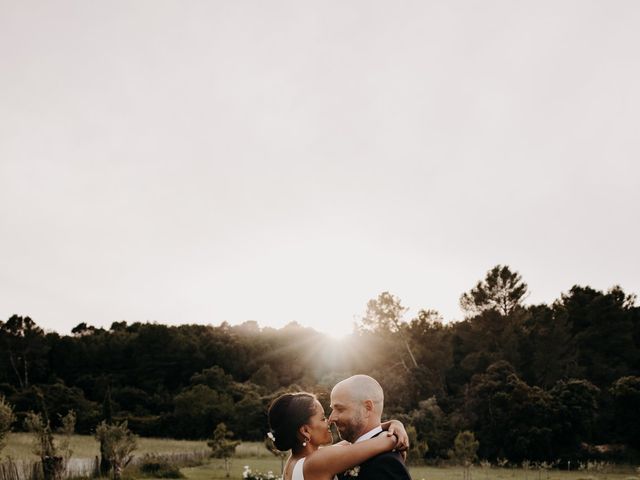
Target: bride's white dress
{"type": "Point", "coordinates": [297, 470]}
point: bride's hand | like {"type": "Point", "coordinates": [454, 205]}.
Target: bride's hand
{"type": "Point", "coordinates": [394, 427]}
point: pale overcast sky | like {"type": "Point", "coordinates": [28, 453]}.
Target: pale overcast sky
{"type": "Point", "coordinates": [209, 161]}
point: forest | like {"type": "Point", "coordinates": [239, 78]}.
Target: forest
{"type": "Point", "coordinates": [538, 382]}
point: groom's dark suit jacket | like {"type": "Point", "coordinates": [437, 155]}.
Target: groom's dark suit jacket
{"type": "Point", "coordinates": [386, 466]}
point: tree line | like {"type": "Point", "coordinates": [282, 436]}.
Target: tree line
{"type": "Point", "coordinates": [537, 382]}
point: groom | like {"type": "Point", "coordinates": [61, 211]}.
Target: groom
{"type": "Point", "coordinates": [356, 409]}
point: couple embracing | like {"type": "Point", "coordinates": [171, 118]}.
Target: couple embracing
{"type": "Point", "coordinates": [369, 449]}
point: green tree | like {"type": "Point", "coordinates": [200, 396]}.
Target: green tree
{"type": "Point", "coordinates": [6, 419]}
{"type": "Point", "coordinates": [576, 407]}
{"type": "Point", "coordinates": [428, 337]}
{"type": "Point", "coordinates": [44, 447]}
{"type": "Point", "coordinates": [465, 449]}
{"type": "Point", "coordinates": [54, 457]}
{"type": "Point", "coordinates": [626, 397]}
{"type": "Point", "coordinates": [107, 414]}
{"type": "Point", "coordinates": [83, 329]}
{"type": "Point", "coordinates": [604, 328]}
{"type": "Point", "coordinates": [61, 399]}
{"type": "Point", "coordinates": [265, 377]}
{"type": "Point", "coordinates": [384, 314]}
{"type": "Point", "coordinates": [547, 349]}
{"type": "Point", "coordinates": [432, 428]}
{"type": "Point", "coordinates": [418, 447]}
{"type": "Point", "coordinates": [199, 406]}
{"type": "Point", "coordinates": [501, 290]}
{"type": "Point", "coordinates": [107, 406]}
{"type": "Point", "coordinates": [248, 413]}
{"type": "Point", "coordinates": [511, 418]}
{"type": "Point", "coordinates": [25, 346]}
{"type": "Point", "coordinates": [119, 444]}
{"type": "Point", "coordinates": [213, 377]}
{"type": "Point", "coordinates": [66, 431]}
{"type": "Point", "coordinates": [222, 445]}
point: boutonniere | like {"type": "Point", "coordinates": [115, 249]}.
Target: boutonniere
{"type": "Point", "coordinates": [353, 472]}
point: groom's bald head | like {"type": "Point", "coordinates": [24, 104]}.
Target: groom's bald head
{"type": "Point", "coordinates": [360, 388]}
{"type": "Point", "coordinates": [356, 404]}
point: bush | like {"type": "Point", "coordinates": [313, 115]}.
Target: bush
{"type": "Point", "coordinates": [6, 419]}
{"type": "Point", "coordinates": [156, 466]}
{"type": "Point", "coordinates": [117, 444]}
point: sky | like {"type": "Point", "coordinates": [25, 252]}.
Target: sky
{"type": "Point", "coordinates": [209, 161]}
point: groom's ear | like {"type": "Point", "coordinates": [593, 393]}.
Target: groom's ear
{"type": "Point", "coordinates": [368, 406]}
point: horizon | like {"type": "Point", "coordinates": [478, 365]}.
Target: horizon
{"type": "Point", "coordinates": [410, 315]}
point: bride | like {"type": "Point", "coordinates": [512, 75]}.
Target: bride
{"type": "Point", "coordinates": [298, 423]}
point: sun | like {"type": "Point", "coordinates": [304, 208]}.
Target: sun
{"type": "Point", "coordinates": [337, 337]}
{"type": "Point", "coordinates": [335, 330]}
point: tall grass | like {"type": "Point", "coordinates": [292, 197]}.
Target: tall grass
{"type": "Point", "coordinates": [20, 470]}
{"type": "Point", "coordinates": [21, 463]}
{"type": "Point", "coordinates": [252, 450]}
{"type": "Point", "coordinates": [9, 470]}
{"type": "Point", "coordinates": [20, 446]}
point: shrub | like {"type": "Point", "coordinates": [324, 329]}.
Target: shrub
{"type": "Point", "coordinates": [157, 466]}
{"type": "Point", "coordinates": [6, 419]}
{"type": "Point", "coordinates": [117, 444]}
{"type": "Point", "coordinates": [222, 446]}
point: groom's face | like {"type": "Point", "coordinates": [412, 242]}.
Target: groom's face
{"type": "Point", "coordinates": [347, 414]}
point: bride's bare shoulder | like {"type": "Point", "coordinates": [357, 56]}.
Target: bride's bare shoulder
{"type": "Point", "coordinates": [289, 466]}
{"type": "Point", "coordinates": [341, 443]}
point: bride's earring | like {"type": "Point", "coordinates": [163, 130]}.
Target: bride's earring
{"type": "Point", "coordinates": [304, 443]}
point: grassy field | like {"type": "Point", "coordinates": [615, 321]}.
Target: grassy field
{"type": "Point", "coordinates": [20, 446]}
{"type": "Point", "coordinates": [215, 471]}
{"type": "Point", "coordinates": [255, 455]}
{"type": "Point", "coordinates": [259, 459]}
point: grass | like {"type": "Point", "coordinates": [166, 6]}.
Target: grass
{"type": "Point", "coordinates": [260, 459]}
{"type": "Point", "coordinates": [20, 446]}
{"type": "Point", "coordinates": [477, 473]}
{"type": "Point", "coordinates": [253, 450]}
{"type": "Point", "coordinates": [215, 471]}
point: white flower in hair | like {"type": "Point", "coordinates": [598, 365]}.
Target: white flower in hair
{"type": "Point", "coordinates": [271, 436]}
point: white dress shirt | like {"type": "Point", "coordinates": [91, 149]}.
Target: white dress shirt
{"type": "Point", "coordinates": [369, 434]}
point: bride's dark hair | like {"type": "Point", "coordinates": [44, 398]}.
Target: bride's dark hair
{"type": "Point", "coordinates": [287, 414]}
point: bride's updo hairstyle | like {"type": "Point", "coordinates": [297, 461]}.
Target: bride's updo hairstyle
{"type": "Point", "coordinates": [287, 414]}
